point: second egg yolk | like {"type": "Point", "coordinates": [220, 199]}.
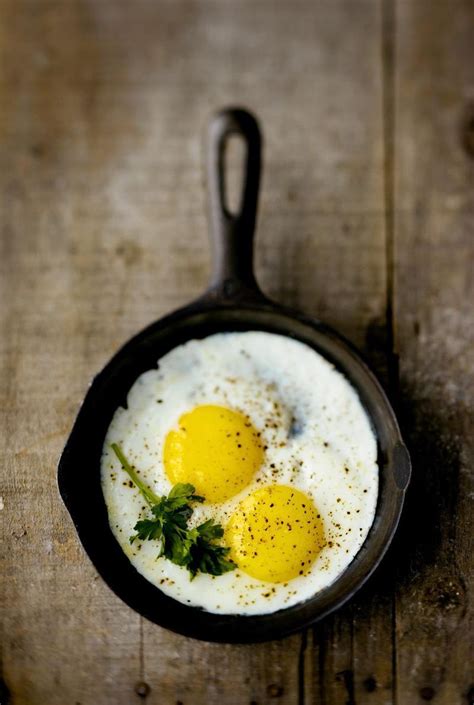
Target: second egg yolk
{"type": "Point", "coordinates": [215, 449]}
{"type": "Point", "coordinates": [275, 534]}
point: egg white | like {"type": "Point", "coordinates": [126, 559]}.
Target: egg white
{"type": "Point", "coordinates": [318, 439]}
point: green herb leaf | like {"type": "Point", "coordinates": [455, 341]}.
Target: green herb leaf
{"type": "Point", "coordinates": [183, 493]}
{"type": "Point", "coordinates": [191, 548]}
{"type": "Point", "coordinates": [210, 531]}
{"type": "Point", "coordinates": [147, 529]}
{"type": "Point", "coordinates": [205, 556]}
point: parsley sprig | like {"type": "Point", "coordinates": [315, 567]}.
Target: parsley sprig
{"type": "Point", "coordinates": [194, 549]}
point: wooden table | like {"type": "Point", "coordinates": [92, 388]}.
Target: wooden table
{"type": "Point", "coordinates": [366, 220]}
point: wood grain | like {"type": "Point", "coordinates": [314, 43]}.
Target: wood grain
{"type": "Point", "coordinates": [434, 294]}
{"type": "Point", "coordinates": [365, 221]}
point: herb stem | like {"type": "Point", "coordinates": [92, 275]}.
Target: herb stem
{"type": "Point", "coordinates": [148, 494]}
{"type": "Point", "coordinates": [194, 549]}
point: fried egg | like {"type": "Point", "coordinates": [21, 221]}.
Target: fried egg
{"type": "Point", "coordinates": [278, 443]}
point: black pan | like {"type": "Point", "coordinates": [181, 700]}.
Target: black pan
{"type": "Point", "coordinates": [233, 303]}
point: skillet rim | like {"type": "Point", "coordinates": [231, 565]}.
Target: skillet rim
{"type": "Point", "coordinates": [241, 628]}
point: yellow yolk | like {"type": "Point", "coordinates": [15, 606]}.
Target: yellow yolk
{"type": "Point", "coordinates": [215, 449]}
{"type": "Point", "coordinates": [275, 534]}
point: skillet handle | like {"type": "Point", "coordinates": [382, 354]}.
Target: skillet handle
{"type": "Point", "coordinates": [232, 233]}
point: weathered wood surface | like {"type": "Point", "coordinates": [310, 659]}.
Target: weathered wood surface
{"type": "Point", "coordinates": [434, 298]}
{"type": "Point", "coordinates": [365, 220]}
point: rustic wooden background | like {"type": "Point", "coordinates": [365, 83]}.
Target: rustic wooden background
{"type": "Point", "coordinates": [366, 220]}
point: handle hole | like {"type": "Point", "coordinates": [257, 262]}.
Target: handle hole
{"type": "Point", "coordinates": [234, 161]}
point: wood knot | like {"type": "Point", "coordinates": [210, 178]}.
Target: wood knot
{"type": "Point", "coordinates": [370, 684]}
{"type": "Point", "coordinates": [275, 691]}
{"type": "Point", "coordinates": [142, 689]}
{"type": "Point", "coordinates": [129, 252]}
{"type": "Point", "coordinates": [427, 693]}
{"type": "Point", "coordinates": [38, 150]}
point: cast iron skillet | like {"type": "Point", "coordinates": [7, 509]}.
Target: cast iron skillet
{"type": "Point", "coordinates": [233, 303]}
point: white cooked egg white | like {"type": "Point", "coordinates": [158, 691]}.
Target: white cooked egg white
{"type": "Point", "coordinates": [279, 444]}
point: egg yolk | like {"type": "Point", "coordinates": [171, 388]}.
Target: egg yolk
{"type": "Point", "coordinates": [275, 534]}
{"type": "Point", "coordinates": [215, 449]}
